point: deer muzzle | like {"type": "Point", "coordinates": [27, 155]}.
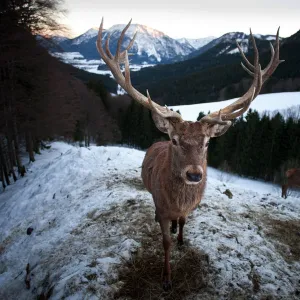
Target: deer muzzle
{"type": "Point", "coordinates": [192, 174]}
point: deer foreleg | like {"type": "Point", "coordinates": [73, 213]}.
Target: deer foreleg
{"type": "Point", "coordinates": [164, 224]}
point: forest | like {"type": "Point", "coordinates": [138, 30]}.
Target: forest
{"type": "Point", "coordinates": [42, 99]}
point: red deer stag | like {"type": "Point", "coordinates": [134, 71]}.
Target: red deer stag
{"type": "Point", "coordinates": [174, 171]}
{"type": "Point", "coordinates": [293, 180]}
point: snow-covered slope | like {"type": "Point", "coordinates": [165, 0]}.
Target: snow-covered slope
{"type": "Point", "coordinates": [226, 44]}
{"type": "Point", "coordinates": [85, 37]}
{"type": "Point", "coordinates": [263, 104]}
{"type": "Point", "coordinates": [196, 43]}
{"type": "Point", "coordinates": [90, 212]}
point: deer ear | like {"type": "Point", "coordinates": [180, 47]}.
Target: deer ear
{"type": "Point", "coordinates": [162, 124]}
{"type": "Point", "coordinates": [216, 130]}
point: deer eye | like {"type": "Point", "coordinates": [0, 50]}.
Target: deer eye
{"type": "Point", "coordinates": [174, 142]}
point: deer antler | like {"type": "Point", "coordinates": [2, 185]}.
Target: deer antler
{"type": "Point", "coordinates": [114, 61]}
{"type": "Point", "coordinates": [238, 107]}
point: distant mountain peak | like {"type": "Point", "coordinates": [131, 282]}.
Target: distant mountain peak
{"type": "Point", "coordinates": [137, 28]}
{"type": "Point", "coordinates": [196, 43]}
{"type": "Point", "coordinates": [92, 32]}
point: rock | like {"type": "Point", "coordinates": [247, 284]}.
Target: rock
{"type": "Point", "coordinates": [29, 230]}
{"type": "Point", "coordinates": [228, 193]}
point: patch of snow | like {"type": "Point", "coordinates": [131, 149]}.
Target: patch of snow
{"type": "Point", "coordinates": [79, 202]}
{"type": "Point", "coordinates": [196, 43]}
{"type": "Point", "coordinates": [223, 50]}
{"type": "Point", "coordinates": [262, 103]}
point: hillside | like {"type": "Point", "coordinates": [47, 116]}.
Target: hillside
{"type": "Point", "coordinates": [91, 215]}
{"type": "Point", "coordinates": [71, 101]}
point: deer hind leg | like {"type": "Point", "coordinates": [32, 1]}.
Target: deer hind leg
{"type": "Point", "coordinates": [164, 224]}
{"type": "Point", "coordinates": [173, 228]}
{"type": "Point", "coordinates": [180, 234]}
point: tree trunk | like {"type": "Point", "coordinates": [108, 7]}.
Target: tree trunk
{"type": "Point", "coordinates": [11, 155]}
{"type": "Point", "coordinates": [4, 166]}
{"type": "Point", "coordinates": [21, 168]}
{"type": "Point", "coordinates": [29, 146]}
{"type": "Point", "coordinates": [36, 146]}
{"type": "Point", "coordinates": [1, 176]}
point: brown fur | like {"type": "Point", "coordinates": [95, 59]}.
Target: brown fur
{"type": "Point", "coordinates": [173, 198]}
{"type": "Point", "coordinates": [293, 180]}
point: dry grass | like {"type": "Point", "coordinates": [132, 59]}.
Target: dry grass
{"type": "Point", "coordinates": [287, 236]}
{"type": "Point", "coordinates": [143, 276]}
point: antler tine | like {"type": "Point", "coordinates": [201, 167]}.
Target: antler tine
{"type": "Point", "coordinates": [275, 61]}
{"type": "Point", "coordinates": [272, 65]}
{"type": "Point", "coordinates": [113, 62]}
{"type": "Point", "coordinates": [122, 54]}
{"type": "Point", "coordinates": [245, 58]}
{"type": "Point", "coordinates": [109, 54]}
{"type": "Point", "coordinates": [121, 40]}
{"type": "Point", "coordinates": [99, 42]}
{"type": "Point", "coordinates": [256, 56]}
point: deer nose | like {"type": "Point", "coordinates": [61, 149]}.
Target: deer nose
{"type": "Point", "coordinates": [194, 177]}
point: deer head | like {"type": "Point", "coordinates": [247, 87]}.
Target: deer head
{"type": "Point", "coordinates": [189, 139]}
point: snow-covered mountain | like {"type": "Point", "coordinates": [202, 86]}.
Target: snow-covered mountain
{"type": "Point", "coordinates": [196, 43]}
{"type": "Point", "coordinates": [226, 44]}
{"type": "Point", "coordinates": [151, 46]}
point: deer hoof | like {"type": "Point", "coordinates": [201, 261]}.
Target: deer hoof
{"type": "Point", "coordinates": [167, 285]}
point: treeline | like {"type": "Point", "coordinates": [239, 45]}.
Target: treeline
{"type": "Point", "coordinates": [137, 127]}
{"type": "Point", "coordinates": [258, 146]}
{"type": "Point", "coordinates": [40, 99]}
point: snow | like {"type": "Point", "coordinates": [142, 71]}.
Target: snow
{"type": "Point", "coordinates": [77, 60]}
{"type": "Point", "coordinates": [196, 43]}
{"type": "Point", "coordinates": [262, 103]}
{"type": "Point", "coordinates": [85, 36]}
{"type": "Point", "coordinates": [80, 202]}
{"type": "Point", "coordinates": [152, 42]}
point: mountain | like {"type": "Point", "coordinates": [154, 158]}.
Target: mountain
{"type": "Point", "coordinates": [51, 44]}
{"type": "Point", "coordinates": [196, 43]}
{"type": "Point", "coordinates": [226, 44]}
{"type": "Point", "coordinates": [215, 75]}
{"type": "Point", "coordinates": [150, 47]}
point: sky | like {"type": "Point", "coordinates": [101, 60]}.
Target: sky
{"type": "Point", "coordinates": [187, 18]}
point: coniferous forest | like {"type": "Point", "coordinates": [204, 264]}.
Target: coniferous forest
{"type": "Point", "coordinates": [42, 99]}
{"type": "Point", "coordinates": [259, 147]}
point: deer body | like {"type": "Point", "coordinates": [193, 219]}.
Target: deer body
{"type": "Point", "coordinates": [174, 172]}
{"type": "Point", "coordinates": [173, 198]}
{"type": "Point", "coordinates": [293, 180]}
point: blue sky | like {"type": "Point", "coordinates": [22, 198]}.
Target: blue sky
{"type": "Point", "coordinates": [187, 18]}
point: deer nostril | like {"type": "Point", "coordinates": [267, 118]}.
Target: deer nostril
{"type": "Point", "coordinates": [195, 177]}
